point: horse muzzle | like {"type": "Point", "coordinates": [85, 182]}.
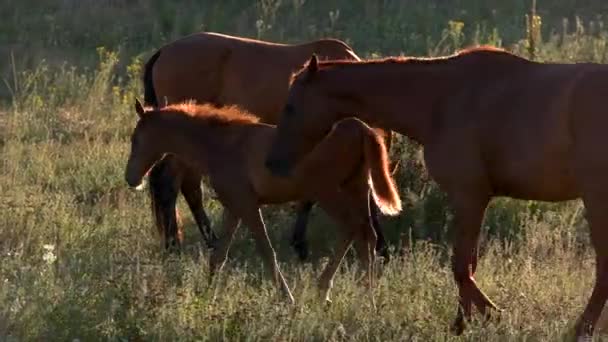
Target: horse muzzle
{"type": "Point", "coordinates": [136, 184]}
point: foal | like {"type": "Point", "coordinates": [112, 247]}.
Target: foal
{"type": "Point", "coordinates": [230, 146]}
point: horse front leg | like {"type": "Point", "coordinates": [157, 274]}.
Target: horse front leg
{"type": "Point", "coordinates": [252, 217]}
{"type": "Point", "coordinates": [298, 240]}
{"type": "Point", "coordinates": [218, 257]}
{"type": "Point", "coordinates": [191, 189]}
{"type": "Point", "coordinates": [596, 204]}
{"type": "Point", "coordinates": [469, 211]}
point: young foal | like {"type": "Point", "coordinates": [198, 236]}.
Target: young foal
{"type": "Point", "coordinates": [216, 68]}
{"type": "Point", "coordinates": [492, 124]}
{"type": "Point", "coordinates": [230, 146]}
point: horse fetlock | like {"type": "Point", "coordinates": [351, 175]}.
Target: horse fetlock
{"type": "Point", "coordinates": [325, 289]}
{"type": "Point", "coordinates": [211, 240]}
{"type": "Point", "coordinates": [301, 248]}
{"type": "Point", "coordinates": [458, 326]}
{"type": "Point", "coordinates": [326, 297]}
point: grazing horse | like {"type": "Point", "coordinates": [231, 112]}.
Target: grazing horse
{"type": "Point", "coordinates": [491, 123]}
{"type": "Point", "coordinates": [215, 68]}
{"type": "Point", "coordinates": [230, 146]}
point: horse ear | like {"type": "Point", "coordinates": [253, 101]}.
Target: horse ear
{"type": "Point", "coordinates": [313, 64]}
{"type": "Point", "coordinates": [139, 109]}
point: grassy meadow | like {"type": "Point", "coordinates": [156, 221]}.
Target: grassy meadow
{"type": "Point", "coordinates": [79, 259]}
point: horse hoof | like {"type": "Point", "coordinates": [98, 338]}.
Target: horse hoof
{"type": "Point", "coordinates": [301, 249]}
{"type": "Point", "coordinates": [457, 327]}
{"type": "Point", "coordinates": [211, 245]}
{"type": "Point", "coordinates": [386, 258]}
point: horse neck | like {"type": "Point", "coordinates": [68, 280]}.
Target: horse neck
{"type": "Point", "coordinates": [399, 97]}
{"type": "Point", "coordinates": [186, 138]}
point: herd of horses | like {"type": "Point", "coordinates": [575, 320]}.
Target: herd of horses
{"type": "Point", "coordinates": [274, 123]}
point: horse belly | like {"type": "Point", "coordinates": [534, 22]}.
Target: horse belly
{"type": "Point", "coordinates": [535, 167]}
{"type": "Point", "coordinates": [550, 182]}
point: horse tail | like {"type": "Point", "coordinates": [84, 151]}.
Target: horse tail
{"type": "Point", "coordinates": [161, 196]}
{"type": "Point", "coordinates": [160, 186]}
{"type": "Point", "coordinates": [156, 193]}
{"type": "Point", "coordinates": [149, 92]}
{"type": "Point", "coordinates": [383, 186]}
{"type": "Point", "coordinates": [389, 137]}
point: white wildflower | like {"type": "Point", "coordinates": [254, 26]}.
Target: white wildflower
{"type": "Point", "coordinates": [49, 253]}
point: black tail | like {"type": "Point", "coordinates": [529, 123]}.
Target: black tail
{"type": "Point", "coordinates": [163, 197]}
{"type": "Point", "coordinates": [149, 92]}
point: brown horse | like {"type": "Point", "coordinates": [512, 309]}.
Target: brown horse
{"type": "Point", "coordinates": [491, 123]}
{"type": "Point", "coordinates": [230, 146]}
{"type": "Point", "coordinates": [216, 68]}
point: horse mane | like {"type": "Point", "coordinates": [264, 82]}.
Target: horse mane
{"type": "Point", "coordinates": [474, 51]}
{"type": "Point", "coordinates": [210, 114]}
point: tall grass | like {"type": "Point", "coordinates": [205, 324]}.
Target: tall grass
{"type": "Point", "coordinates": [79, 256]}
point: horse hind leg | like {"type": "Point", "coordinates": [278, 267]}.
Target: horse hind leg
{"type": "Point", "coordinates": [298, 240]}
{"type": "Point", "coordinates": [381, 245]}
{"type": "Point", "coordinates": [351, 224]}
{"type": "Point", "coordinates": [365, 243]}
{"type": "Point", "coordinates": [596, 204]}
{"type": "Point", "coordinates": [326, 279]}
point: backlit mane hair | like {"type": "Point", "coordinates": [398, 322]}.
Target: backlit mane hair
{"type": "Point", "coordinates": [487, 50]}
{"type": "Point", "coordinates": [210, 114]}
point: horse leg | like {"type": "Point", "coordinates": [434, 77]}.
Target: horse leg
{"type": "Point", "coordinates": [191, 189]}
{"type": "Point", "coordinates": [298, 240]}
{"type": "Point", "coordinates": [218, 257]}
{"type": "Point", "coordinates": [597, 217]}
{"type": "Point", "coordinates": [366, 239]}
{"type": "Point", "coordinates": [381, 246]}
{"type": "Point", "coordinates": [353, 223]}
{"type": "Point", "coordinates": [335, 208]}
{"type": "Point", "coordinates": [252, 217]}
{"type": "Point", "coordinates": [326, 280]}
{"type": "Point", "coordinates": [469, 211]}
{"type": "Point", "coordinates": [365, 244]}
{"type": "Point", "coordinates": [165, 178]}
